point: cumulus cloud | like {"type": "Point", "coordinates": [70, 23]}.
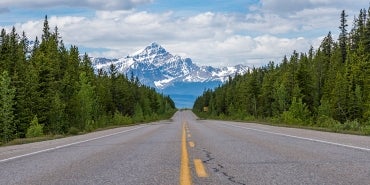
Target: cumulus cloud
{"type": "Point", "coordinates": [207, 38]}
{"type": "Point", "coordinates": [304, 16]}
{"type": "Point", "coordinates": [94, 4]}
{"type": "Point", "coordinates": [246, 50]}
{"type": "Point", "coordinates": [253, 38]}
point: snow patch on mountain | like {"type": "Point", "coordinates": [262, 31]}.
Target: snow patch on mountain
{"type": "Point", "coordinates": [156, 67]}
{"type": "Point", "coordinates": [162, 83]}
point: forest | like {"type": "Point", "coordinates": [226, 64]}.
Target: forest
{"type": "Point", "coordinates": [48, 89]}
{"type": "Point", "coordinates": [328, 87]}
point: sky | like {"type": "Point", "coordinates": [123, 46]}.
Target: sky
{"type": "Point", "coordinates": [210, 32]}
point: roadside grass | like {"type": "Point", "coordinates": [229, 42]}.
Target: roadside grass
{"type": "Point", "coordinates": [353, 128]}
{"type": "Point", "coordinates": [20, 141]}
{"type": "Point", "coordinates": [120, 121]}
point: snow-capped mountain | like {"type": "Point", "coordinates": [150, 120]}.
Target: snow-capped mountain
{"type": "Point", "coordinates": [156, 67]}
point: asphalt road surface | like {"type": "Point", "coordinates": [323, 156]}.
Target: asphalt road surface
{"type": "Point", "coordinates": [185, 150]}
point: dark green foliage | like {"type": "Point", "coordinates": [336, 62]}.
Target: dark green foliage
{"type": "Point", "coordinates": [55, 88]}
{"type": "Point", "coordinates": [329, 87]}
{"type": "Point", "coordinates": [7, 94]}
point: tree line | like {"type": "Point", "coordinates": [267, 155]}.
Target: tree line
{"type": "Point", "coordinates": [49, 89]}
{"type": "Point", "coordinates": [327, 87]}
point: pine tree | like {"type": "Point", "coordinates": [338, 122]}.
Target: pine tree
{"type": "Point", "coordinates": [343, 35]}
{"type": "Point", "coordinates": [281, 99]}
{"type": "Point", "coordinates": [86, 66]}
{"type": "Point", "coordinates": [46, 30]}
{"type": "Point", "coordinates": [339, 98]}
{"type": "Point", "coordinates": [36, 45]}
{"type": "Point", "coordinates": [266, 95]}
{"type": "Point", "coordinates": [366, 38]}
{"type": "Point", "coordinates": [5, 57]}
{"type": "Point", "coordinates": [52, 86]}
{"type": "Point", "coordinates": [328, 86]}
{"type": "Point", "coordinates": [305, 82]}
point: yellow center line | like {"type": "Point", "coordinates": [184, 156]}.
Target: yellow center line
{"type": "Point", "coordinates": [199, 168]}
{"type": "Point", "coordinates": [191, 144]}
{"type": "Point", "coordinates": [185, 176]}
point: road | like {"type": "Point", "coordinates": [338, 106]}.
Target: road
{"type": "Point", "coordinates": [185, 150]}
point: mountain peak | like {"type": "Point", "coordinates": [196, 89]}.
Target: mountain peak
{"type": "Point", "coordinates": [152, 49]}
{"type": "Point", "coordinates": [156, 67]}
{"type": "Point", "coordinates": [154, 45]}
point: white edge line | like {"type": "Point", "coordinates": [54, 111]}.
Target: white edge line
{"type": "Point", "coordinates": [67, 145]}
{"type": "Point", "coordinates": [303, 138]}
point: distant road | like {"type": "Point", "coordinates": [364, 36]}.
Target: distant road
{"type": "Point", "coordinates": [185, 150]}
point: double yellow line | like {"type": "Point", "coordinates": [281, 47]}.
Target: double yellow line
{"type": "Point", "coordinates": [185, 175]}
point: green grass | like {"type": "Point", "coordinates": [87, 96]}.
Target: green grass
{"type": "Point", "coordinates": [20, 141]}
{"type": "Point", "coordinates": [72, 132]}
{"type": "Point", "coordinates": [335, 128]}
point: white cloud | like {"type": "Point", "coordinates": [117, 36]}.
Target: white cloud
{"type": "Point", "coordinates": [208, 38]}
{"type": "Point", "coordinates": [254, 38]}
{"type": "Point", "coordinates": [94, 4]}
{"type": "Point", "coordinates": [203, 19]}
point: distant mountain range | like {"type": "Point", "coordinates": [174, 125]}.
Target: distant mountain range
{"type": "Point", "coordinates": [171, 74]}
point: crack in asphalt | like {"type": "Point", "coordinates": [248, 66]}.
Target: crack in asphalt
{"type": "Point", "coordinates": [219, 168]}
{"type": "Point", "coordinates": [208, 156]}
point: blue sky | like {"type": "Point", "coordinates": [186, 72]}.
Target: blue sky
{"type": "Point", "coordinates": [211, 32]}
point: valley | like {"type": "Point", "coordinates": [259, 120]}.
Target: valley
{"type": "Point", "coordinates": [180, 78]}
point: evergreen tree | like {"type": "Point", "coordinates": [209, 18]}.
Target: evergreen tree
{"type": "Point", "coordinates": [366, 38]}
{"type": "Point", "coordinates": [305, 82]}
{"type": "Point", "coordinates": [267, 95]}
{"type": "Point", "coordinates": [327, 45]}
{"type": "Point", "coordinates": [46, 30]}
{"type": "Point", "coordinates": [282, 98]}
{"type": "Point", "coordinates": [53, 87]}
{"type": "Point", "coordinates": [343, 35]}
{"type": "Point", "coordinates": [327, 87]}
